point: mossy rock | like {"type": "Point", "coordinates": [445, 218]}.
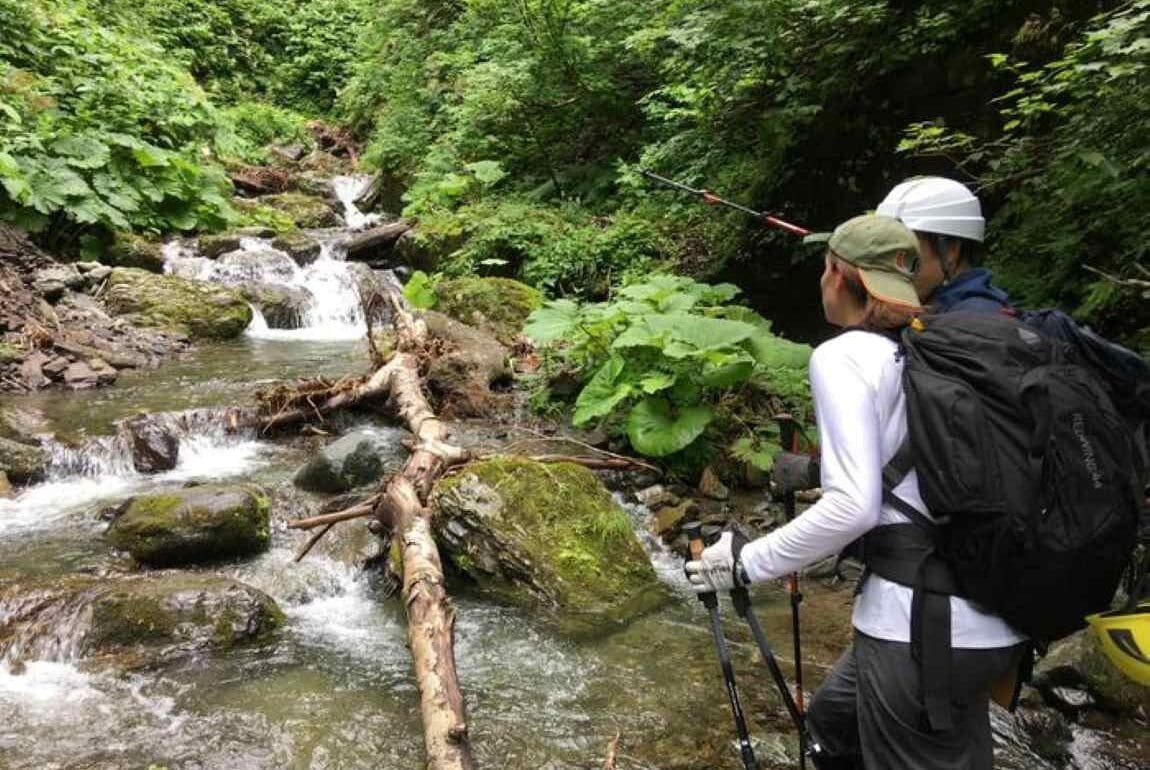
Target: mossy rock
{"type": "Point", "coordinates": [212, 246]}
{"type": "Point", "coordinates": [499, 306]}
{"type": "Point", "coordinates": [301, 247]}
{"type": "Point", "coordinates": [90, 615]}
{"type": "Point", "coordinates": [202, 310]}
{"type": "Point", "coordinates": [132, 250]}
{"type": "Point", "coordinates": [546, 536]}
{"type": "Point", "coordinates": [256, 214]}
{"type": "Point", "coordinates": [199, 524]}
{"type": "Point", "coordinates": [304, 210]}
{"type": "Point", "coordinates": [11, 353]}
{"type": "Point", "coordinates": [22, 463]}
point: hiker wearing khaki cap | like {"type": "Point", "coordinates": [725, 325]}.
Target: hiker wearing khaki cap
{"type": "Point", "coordinates": [869, 712]}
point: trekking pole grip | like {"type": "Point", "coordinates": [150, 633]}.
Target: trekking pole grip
{"type": "Point", "coordinates": [694, 532]}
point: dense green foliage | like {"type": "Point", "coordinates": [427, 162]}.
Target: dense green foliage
{"type": "Point", "coordinates": [669, 360]}
{"type": "Point", "coordinates": [103, 125]}
{"type": "Point", "coordinates": [1072, 163]}
{"type": "Point", "coordinates": [519, 128]}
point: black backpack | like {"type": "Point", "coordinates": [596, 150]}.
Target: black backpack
{"type": "Point", "coordinates": [1032, 477]}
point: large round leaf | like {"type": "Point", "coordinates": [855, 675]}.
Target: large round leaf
{"type": "Point", "coordinates": [656, 431]}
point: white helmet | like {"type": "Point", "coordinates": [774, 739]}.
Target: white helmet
{"type": "Point", "coordinates": [934, 204]}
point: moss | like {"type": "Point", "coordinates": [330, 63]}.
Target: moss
{"type": "Point", "coordinates": [199, 524]}
{"type": "Point", "coordinates": [497, 305]}
{"type": "Point", "coordinates": [256, 214]}
{"type": "Point", "coordinates": [565, 523]}
{"type": "Point", "coordinates": [200, 309]}
{"type": "Point", "coordinates": [122, 618]}
{"type": "Point", "coordinates": [10, 353]}
{"type": "Point", "coordinates": [304, 210]}
{"type": "Point", "coordinates": [132, 250]}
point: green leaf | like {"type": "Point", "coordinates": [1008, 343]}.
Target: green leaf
{"type": "Point", "coordinates": [553, 321]}
{"type": "Point", "coordinates": [729, 372]}
{"type": "Point", "coordinates": [704, 333]}
{"type": "Point", "coordinates": [756, 452]}
{"type": "Point", "coordinates": [770, 351]}
{"type": "Point", "coordinates": [602, 394]}
{"type": "Point", "coordinates": [420, 290]}
{"type": "Point", "coordinates": [83, 151]}
{"type": "Point", "coordinates": [654, 430]}
{"type": "Point", "coordinates": [488, 172]}
{"type": "Point", "coordinates": [653, 383]}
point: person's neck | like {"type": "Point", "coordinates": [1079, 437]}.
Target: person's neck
{"type": "Point", "coordinates": [853, 316]}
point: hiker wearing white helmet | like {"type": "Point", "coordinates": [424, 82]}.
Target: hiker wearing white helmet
{"type": "Point", "coordinates": [947, 218]}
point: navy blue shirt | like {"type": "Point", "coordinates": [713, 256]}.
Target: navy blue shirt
{"type": "Point", "coordinates": [970, 290]}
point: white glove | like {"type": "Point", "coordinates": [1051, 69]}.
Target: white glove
{"type": "Point", "coordinates": [718, 569]}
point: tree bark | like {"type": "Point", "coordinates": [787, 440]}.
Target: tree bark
{"type": "Point", "coordinates": [430, 614]}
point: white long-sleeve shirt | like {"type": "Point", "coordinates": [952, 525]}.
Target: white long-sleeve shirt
{"type": "Point", "coordinates": [856, 379]}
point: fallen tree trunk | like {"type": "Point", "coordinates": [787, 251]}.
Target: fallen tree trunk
{"type": "Point", "coordinates": [430, 615]}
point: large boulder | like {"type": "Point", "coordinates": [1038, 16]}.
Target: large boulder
{"type": "Point", "coordinates": [212, 246]}
{"type": "Point", "coordinates": [131, 250]}
{"type": "Point", "coordinates": [198, 524]}
{"type": "Point", "coordinates": [460, 378]}
{"type": "Point", "coordinates": [199, 309]}
{"type": "Point", "coordinates": [499, 306]}
{"type": "Point", "coordinates": [22, 463]}
{"type": "Point", "coordinates": [84, 615]}
{"type": "Point", "coordinates": [360, 457]}
{"type": "Point", "coordinates": [546, 536]}
{"type": "Point", "coordinates": [305, 210]}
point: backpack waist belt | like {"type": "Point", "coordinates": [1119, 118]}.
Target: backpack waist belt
{"type": "Point", "coordinates": [905, 554]}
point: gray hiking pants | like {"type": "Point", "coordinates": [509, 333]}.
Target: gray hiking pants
{"type": "Point", "coordinates": [868, 714]}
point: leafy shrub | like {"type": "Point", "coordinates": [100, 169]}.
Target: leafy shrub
{"type": "Point", "coordinates": [248, 128]}
{"type": "Point", "coordinates": [99, 129]}
{"type": "Point", "coordinates": [670, 360]}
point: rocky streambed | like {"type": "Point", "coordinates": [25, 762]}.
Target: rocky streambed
{"type": "Point", "coordinates": [152, 613]}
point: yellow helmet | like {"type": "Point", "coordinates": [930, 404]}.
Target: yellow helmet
{"type": "Point", "coordinates": [1125, 638]}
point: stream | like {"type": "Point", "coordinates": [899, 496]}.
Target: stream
{"type": "Point", "coordinates": [334, 687]}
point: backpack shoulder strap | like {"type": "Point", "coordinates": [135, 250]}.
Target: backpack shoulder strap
{"type": "Point", "coordinates": [892, 475]}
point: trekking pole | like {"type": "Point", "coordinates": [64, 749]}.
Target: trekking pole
{"type": "Point", "coordinates": [789, 439]}
{"type": "Point", "coordinates": [741, 598]}
{"type": "Point", "coordinates": [710, 600]}
{"type": "Point", "coordinates": [714, 200]}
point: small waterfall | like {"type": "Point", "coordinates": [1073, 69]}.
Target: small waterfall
{"type": "Point", "coordinates": [102, 469]}
{"type": "Point", "coordinates": [347, 189]}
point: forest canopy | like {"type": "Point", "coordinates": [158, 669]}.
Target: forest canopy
{"type": "Point", "coordinates": [516, 129]}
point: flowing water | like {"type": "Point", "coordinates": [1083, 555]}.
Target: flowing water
{"type": "Point", "coordinates": [334, 688]}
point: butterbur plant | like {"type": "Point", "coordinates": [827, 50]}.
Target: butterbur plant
{"type": "Point", "coordinates": [671, 360]}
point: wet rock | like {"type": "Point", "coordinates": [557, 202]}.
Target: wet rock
{"type": "Point", "coordinates": [668, 521]}
{"type": "Point", "coordinates": [375, 246]}
{"type": "Point", "coordinates": [212, 246]}
{"type": "Point", "coordinates": [546, 537]}
{"type": "Point", "coordinates": [384, 193]}
{"type": "Point", "coordinates": [710, 485]}
{"type": "Point", "coordinates": [289, 153]}
{"type": "Point", "coordinates": [255, 267]}
{"type": "Point", "coordinates": [324, 163]}
{"type": "Point", "coordinates": [81, 376]}
{"type": "Point", "coordinates": [306, 211]}
{"type": "Point", "coordinates": [301, 247]}
{"type": "Point", "coordinates": [656, 496]}
{"type": "Point", "coordinates": [56, 366]}
{"type": "Point", "coordinates": [156, 616]}
{"type": "Point", "coordinates": [94, 272]}
{"type": "Point", "coordinates": [22, 463]}
{"type": "Point", "coordinates": [259, 180]}
{"type": "Point", "coordinates": [154, 446]}
{"type": "Point", "coordinates": [358, 458]}
{"type": "Point", "coordinates": [282, 307]}
{"type": "Point", "coordinates": [460, 379]}
{"type": "Point", "coordinates": [194, 525]}
{"type": "Point", "coordinates": [1076, 675]}
{"type": "Point", "coordinates": [499, 306]}
{"type": "Point", "coordinates": [131, 250]}
{"type": "Point", "coordinates": [199, 309]}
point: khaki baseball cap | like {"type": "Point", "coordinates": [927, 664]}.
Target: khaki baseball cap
{"type": "Point", "coordinates": [883, 250]}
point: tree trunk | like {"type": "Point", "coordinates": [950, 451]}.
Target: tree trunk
{"type": "Point", "coordinates": [430, 615]}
